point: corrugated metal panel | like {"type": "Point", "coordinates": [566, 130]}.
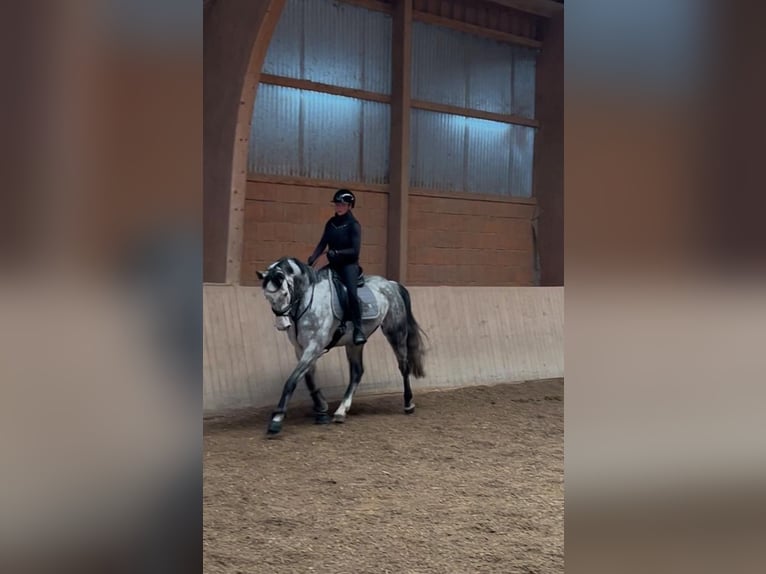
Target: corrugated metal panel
{"type": "Point", "coordinates": [331, 134]}
{"type": "Point", "coordinates": [456, 153]}
{"type": "Point", "coordinates": [489, 152]}
{"type": "Point", "coordinates": [437, 144]}
{"type": "Point", "coordinates": [451, 67]}
{"type": "Point", "coordinates": [489, 76]}
{"type": "Point", "coordinates": [332, 43]}
{"type": "Point", "coordinates": [438, 65]}
{"type": "Point", "coordinates": [312, 134]}
{"type": "Point", "coordinates": [522, 156]}
{"type": "Point", "coordinates": [376, 135]}
{"type": "Point", "coordinates": [275, 131]}
{"type": "Point", "coordinates": [524, 76]}
{"type": "Point", "coordinates": [376, 76]}
{"type": "Point", "coordinates": [284, 57]}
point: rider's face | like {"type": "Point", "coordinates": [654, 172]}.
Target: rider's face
{"type": "Point", "coordinates": [341, 208]}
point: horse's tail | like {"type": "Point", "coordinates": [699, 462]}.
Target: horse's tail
{"type": "Point", "coordinates": [415, 347]}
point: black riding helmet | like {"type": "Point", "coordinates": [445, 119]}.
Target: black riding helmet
{"type": "Point", "coordinates": [344, 196]}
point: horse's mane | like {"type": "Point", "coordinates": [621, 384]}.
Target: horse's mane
{"type": "Point", "coordinates": [307, 270]}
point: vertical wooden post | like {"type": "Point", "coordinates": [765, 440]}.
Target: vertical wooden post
{"type": "Point", "coordinates": [399, 156]}
{"type": "Point", "coordinates": [549, 153]}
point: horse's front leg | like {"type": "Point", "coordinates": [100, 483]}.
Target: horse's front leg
{"type": "Point", "coordinates": [309, 356]}
{"type": "Point", "coordinates": [320, 404]}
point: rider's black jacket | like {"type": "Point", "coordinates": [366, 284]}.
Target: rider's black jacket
{"type": "Point", "coordinates": [343, 237]}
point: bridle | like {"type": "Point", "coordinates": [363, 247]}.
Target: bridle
{"type": "Point", "coordinates": [291, 307]}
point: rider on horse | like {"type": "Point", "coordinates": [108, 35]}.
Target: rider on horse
{"type": "Point", "coordinates": [343, 238]}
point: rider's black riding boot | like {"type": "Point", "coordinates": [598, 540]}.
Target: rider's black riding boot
{"type": "Point", "coordinates": [356, 319]}
{"type": "Point", "coordinates": [350, 275]}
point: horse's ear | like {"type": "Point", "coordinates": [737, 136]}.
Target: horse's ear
{"type": "Point", "coordinates": [260, 275]}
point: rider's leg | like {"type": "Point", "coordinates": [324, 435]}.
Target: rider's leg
{"type": "Point", "coordinates": [349, 274]}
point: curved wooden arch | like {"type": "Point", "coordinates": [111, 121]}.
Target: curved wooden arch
{"type": "Point", "coordinates": [237, 34]}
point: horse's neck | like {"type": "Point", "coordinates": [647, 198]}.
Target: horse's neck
{"type": "Point", "coordinates": [324, 274]}
{"type": "Point", "coordinates": [303, 288]}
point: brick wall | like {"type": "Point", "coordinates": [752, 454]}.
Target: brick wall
{"type": "Point", "coordinates": [463, 241]}
{"type": "Point", "coordinates": [452, 240]}
{"type": "Point", "coordinates": [284, 219]}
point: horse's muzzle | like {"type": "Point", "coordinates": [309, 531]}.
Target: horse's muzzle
{"type": "Point", "coordinates": [282, 323]}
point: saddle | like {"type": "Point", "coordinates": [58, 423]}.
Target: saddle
{"type": "Point", "coordinates": [367, 303]}
{"type": "Point", "coordinates": [339, 303]}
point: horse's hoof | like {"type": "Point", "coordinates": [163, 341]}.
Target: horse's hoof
{"type": "Point", "coordinates": [275, 427]}
{"type": "Point", "coordinates": [322, 418]}
{"type": "Point", "coordinates": [339, 418]}
{"type": "Point", "coordinates": [409, 409]}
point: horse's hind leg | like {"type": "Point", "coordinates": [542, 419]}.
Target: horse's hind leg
{"type": "Point", "coordinates": [397, 338]}
{"type": "Point", "coordinates": [356, 370]}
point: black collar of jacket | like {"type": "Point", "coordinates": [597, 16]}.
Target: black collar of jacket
{"type": "Point", "coordinates": [341, 220]}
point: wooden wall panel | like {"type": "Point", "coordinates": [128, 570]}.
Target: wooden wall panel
{"type": "Point", "coordinates": [460, 241]}
{"type": "Point", "coordinates": [513, 334]}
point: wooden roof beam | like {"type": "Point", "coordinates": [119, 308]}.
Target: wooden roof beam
{"type": "Point", "coordinates": [545, 8]}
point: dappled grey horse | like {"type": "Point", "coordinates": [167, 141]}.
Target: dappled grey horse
{"type": "Point", "coordinates": [309, 305]}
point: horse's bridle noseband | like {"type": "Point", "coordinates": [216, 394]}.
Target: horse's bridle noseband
{"type": "Point", "coordinates": [283, 312]}
{"type": "Point", "coordinates": [290, 305]}
{"type": "Point", "coordinates": [293, 305]}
